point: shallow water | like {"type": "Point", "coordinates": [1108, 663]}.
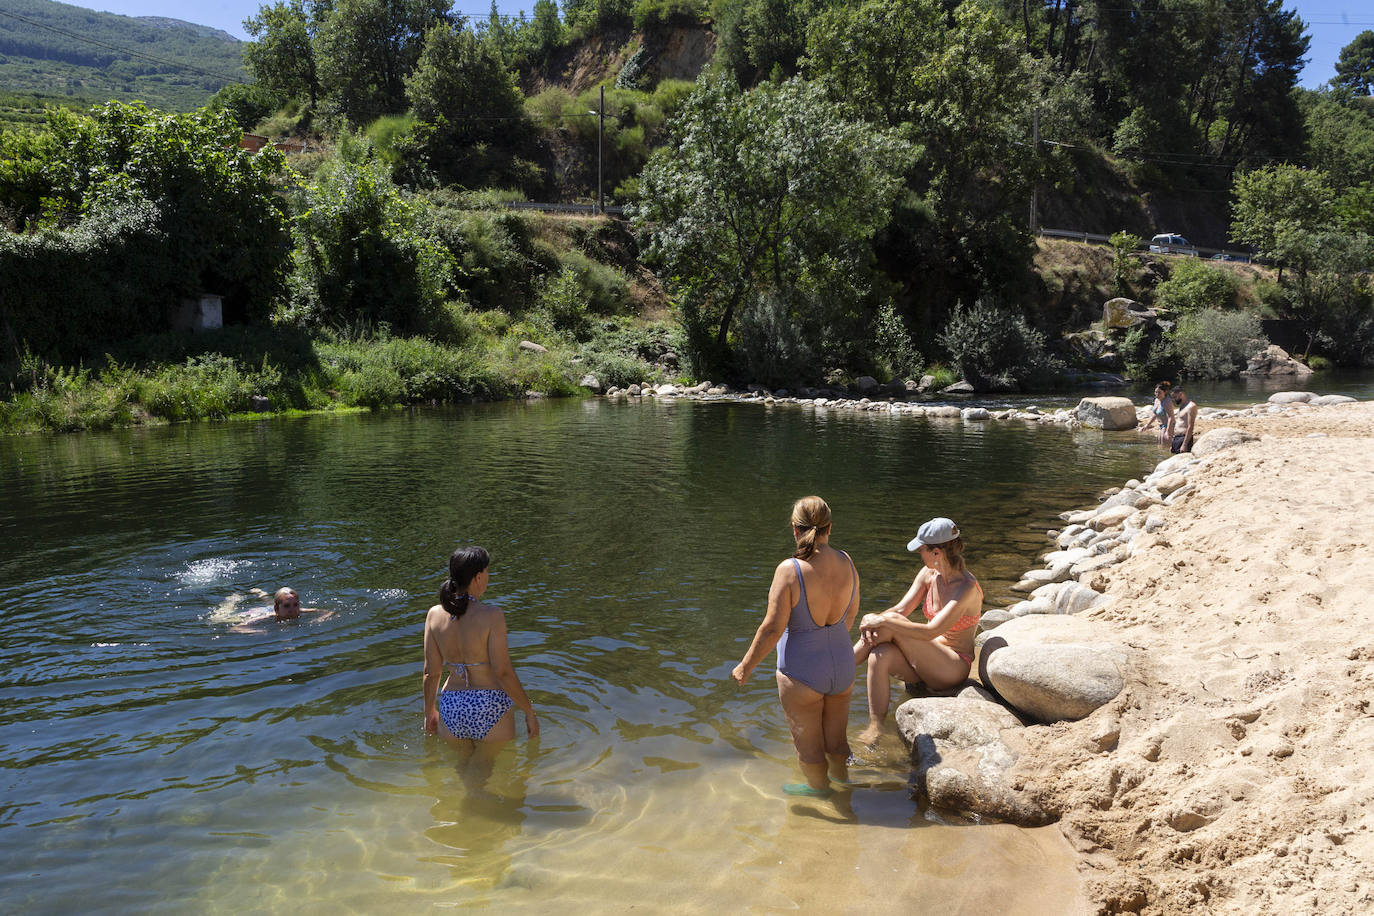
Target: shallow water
{"type": "Point", "coordinates": [152, 759]}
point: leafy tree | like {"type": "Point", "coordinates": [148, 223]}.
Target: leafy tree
{"type": "Point", "coordinates": [962, 87]}
{"type": "Point", "coordinates": [1340, 136]}
{"type": "Point", "coordinates": [365, 49]}
{"type": "Point", "coordinates": [765, 199]}
{"type": "Point", "coordinates": [756, 38]}
{"type": "Point", "coordinates": [1274, 203]}
{"type": "Point", "coordinates": [1195, 285]}
{"type": "Point", "coordinates": [470, 112]}
{"type": "Point", "coordinates": [248, 103]}
{"type": "Point", "coordinates": [135, 209]}
{"type": "Point", "coordinates": [282, 56]}
{"type": "Point", "coordinates": [1355, 66]}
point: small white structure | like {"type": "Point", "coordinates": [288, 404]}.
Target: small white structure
{"type": "Point", "coordinates": [199, 314]}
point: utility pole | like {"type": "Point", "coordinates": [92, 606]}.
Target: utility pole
{"type": "Point", "coordinates": [600, 132]}
{"type": "Point", "coordinates": [1035, 164]}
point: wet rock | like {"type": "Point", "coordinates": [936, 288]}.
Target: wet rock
{"type": "Point", "coordinates": [963, 749]}
{"type": "Point", "coordinates": [1107, 413]}
{"type": "Point", "coordinates": [866, 384]}
{"type": "Point", "coordinates": [259, 404]}
{"type": "Point", "coordinates": [974, 413]}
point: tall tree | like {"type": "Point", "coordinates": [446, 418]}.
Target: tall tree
{"type": "Point", "coordinates": [282, 57]}
{"type": "Point", "coordinates": [469, 111]}
{"type": "Point", "coordinates": [1355, 66]}
{"type": "Point", "coordinates": [764, 203]}
{"type": "Point", "coordinates": [365, 49]}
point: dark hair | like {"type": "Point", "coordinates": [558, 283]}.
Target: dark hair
{"type": "Point", "coordinates": [1164, 386]}
{"type": "Point", "coordinates": [463, 567]}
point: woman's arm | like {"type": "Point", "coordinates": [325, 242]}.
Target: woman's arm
{"type": "Point", "coordinates": [429, 684]}
{"type": "Point", "coordinates": [498, 652]}
{"type": "Point", "coordinates": [774, 622]}
{"type": "Point", "coordinates": [903, 608]}
{"type": "Point", "coordinates": [889, 624]}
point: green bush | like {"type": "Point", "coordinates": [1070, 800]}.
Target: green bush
{"type": "Point", "coordinates": [650, 15]}
{"type": "Point", "coordinates": [362, 252]}
{"type": "Point", "coordinates": [995, 349]}
{"type": "Point", "coordinates": [892, 343]}
{"type": "Point", "coordinates": [564, 301]}
{"type": "Point", "coordinates": [209, 386]}
{"type": "Point", "coordinates": [1193, 286]}
{"type": "Point", "coordinates": [1212, 343]}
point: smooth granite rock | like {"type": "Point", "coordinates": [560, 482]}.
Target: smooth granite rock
{"type": "Point", "coordinates": [1214, 440]}
{"type": "Point", "coordinates": [1107, 413]}
{"type": "Point", "coordinates": [963, 747]}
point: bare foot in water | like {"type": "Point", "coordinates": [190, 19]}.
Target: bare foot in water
{"type": "Point", "coordinates": [870, 736]}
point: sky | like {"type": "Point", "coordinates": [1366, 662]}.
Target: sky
{"type": "Point", "coordinates": [1332, 24]}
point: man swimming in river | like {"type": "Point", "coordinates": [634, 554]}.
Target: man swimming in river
{"type": "Point", "coordinates": [286, 605]}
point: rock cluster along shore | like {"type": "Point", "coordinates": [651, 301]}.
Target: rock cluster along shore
{"type": "Point", "coordinates": [1108, 413]}
{"type": "Point", "coordinates": [1040, 661]}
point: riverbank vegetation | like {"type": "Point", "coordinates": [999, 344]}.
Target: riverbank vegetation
{"type": "Point", "coordinates": [817, 191]}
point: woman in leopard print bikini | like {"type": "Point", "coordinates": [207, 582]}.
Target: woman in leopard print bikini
{"type": "Point", "coordinates": [469, 637]}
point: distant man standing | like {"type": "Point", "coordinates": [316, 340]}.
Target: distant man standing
{"type": "Point", "coordinates": [1185, 421]}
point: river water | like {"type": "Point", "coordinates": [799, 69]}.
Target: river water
{"type": "Point", "coordinates": [154, 760]}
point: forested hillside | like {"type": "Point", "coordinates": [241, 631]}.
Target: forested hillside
{"type": "Point", "coordinates": [64, 51]}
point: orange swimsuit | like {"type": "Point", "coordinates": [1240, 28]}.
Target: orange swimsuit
{"type": "Point", "coordinates": [963, 623]}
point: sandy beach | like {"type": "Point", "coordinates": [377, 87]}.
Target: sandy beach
{"type": "Point", "coordinates": [1240, 780]}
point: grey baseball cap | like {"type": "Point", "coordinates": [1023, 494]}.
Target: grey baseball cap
{"type": "Point", "coordinates": [933, 533]}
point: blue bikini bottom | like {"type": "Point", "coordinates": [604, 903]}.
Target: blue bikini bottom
{"type": "Point", "coordinates": [472, 713]}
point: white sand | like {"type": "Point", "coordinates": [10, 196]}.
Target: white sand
{"type": "Point", "coordinates": [1241, 782]}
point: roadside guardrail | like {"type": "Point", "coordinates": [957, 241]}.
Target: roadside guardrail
{"type": "Point", "coordinates": [563, 208]}
{"type": "Point", "coordinates": [1093, 238]}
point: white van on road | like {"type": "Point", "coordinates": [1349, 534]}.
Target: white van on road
{"type": "Point", "coordinates": [1170, 243]}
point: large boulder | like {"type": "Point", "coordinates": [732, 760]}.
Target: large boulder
{"type": "Point", "coordinates": [866, 385]}
{"type": "Point", "coordinates": [1122, 313]}
{"type": "Point", "coordinates": [1328, 400]}
{"type": "Point", "coordinates": [1107, 413]}
{"type": "Point", "coordinates": [1214, 440]}
{"type": "Point", "coordinates": [963, 747]}
{"type": "Point", "coordinates": [1274, 360]}
{"type": "Point", "coordinates": [1074, 598]}
{"type": "Point", "coordinates": [1054, 683]}
{"type": "Point", "coordinates": [591, 382]}
{"type": "Point", "coordinates": [1053, 668]}
{"type": "Point", "coordinates": [1291, 397]}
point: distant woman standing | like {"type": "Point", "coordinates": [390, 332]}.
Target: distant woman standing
{"type": "Point", "coordinates": [1162, 412]}
{"type": "Point", "coordinates": [811, 606]}
{"type": "Point", "coordinates": [469, 637]}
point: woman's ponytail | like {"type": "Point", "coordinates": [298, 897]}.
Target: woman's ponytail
{"type": "Point", "coordinates": [810, 516]}
{"type": "Point", "coordinates": [463, 567]}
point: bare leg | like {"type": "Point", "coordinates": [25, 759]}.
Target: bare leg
{"type": "Point", "coordinates": [935, 664]}
{"type": "Point", "coordinates": [804, 709]}
{"type": "Point", "coordinates": [835, 729]}
{"type": "Point", "coordinates": [885, 661]}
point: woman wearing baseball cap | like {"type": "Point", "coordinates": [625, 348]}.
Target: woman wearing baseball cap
{"type": "Point", "coordinates": [937, 651]}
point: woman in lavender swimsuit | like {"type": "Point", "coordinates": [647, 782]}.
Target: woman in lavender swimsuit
{"type": "Point", "coordinates": [811, 606]}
